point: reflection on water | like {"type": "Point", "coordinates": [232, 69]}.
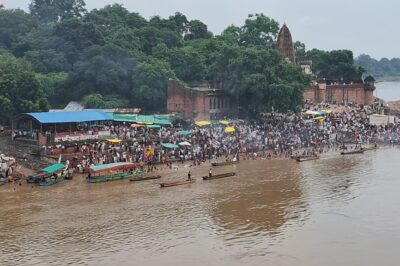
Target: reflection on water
{"type": "Point", "coordinates": [273, 212]}
{"type": "Point", "coordinates": [267, 196]}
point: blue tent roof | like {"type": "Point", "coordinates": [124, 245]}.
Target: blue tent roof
{"type": "Point", "coordinates": [70, 117]}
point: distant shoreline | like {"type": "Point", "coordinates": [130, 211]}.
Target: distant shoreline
{"type": "Point", "coordinates": [388, 79]}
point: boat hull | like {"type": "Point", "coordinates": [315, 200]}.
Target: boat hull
{"type": "Point", "coordinates": [370, 149]}
{"type": "Point", "coordinates": [135, 179]}
{"type": "Point", "coordinates": [218, 176]}
{"type": "Point", "coordinates": [351, 152]}
{"type": "Point", "coordinates": [51, 181]}
{"type": "Point", "coordinates": [114, 177]}
{"type": "Point", "coordinates": [223, 163]}
{"type": "Point", "coordinates": [305, 159]}
{"type": "Point", "coordinates": [178, 183]}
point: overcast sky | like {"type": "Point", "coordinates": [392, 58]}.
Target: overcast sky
{"type": "Point", "coordinates": [363, 26]}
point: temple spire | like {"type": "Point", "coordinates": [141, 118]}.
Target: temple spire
{"type": "Point", "coordinates": [285, 44]}
{"type": "Point", "coordinates": [1, 5]}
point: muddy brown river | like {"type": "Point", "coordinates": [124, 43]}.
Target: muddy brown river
{"type": "Point", "coordinates": [334, 211]}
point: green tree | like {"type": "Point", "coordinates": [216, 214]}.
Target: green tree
{"type": "Point", "coordinates": [300, 49]}
{"type": "Point", "coordinates": [46, 61]}
{"type": "Point", "coordinates": [76, 36]}
{"type": "Point", "coordinates": [55, 10]}
{"type": "Point", "coordinates": [177, 23]}
{"type": "Point", "coordinates": [54, 86]}
{"type": "Point", "coordinates": [14, 24]}
{"type": "Point", "coordinates": [151, 83]}
{"type": "Point", "coordinates": [197, 30]}
{"type": "Point", "coordinates": [19, 89]}
{"type": "Point", "coordinates": [99, 101]}
{"type": "Point", "coordinates": [337, 65]}
{"type": "Point", "coordinates": [259, 30]}
{"type": "Point", "coordinates": [259, 79]}
{"type": "Point", "coordinates": [103, 69]}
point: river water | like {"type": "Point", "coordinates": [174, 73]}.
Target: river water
{"type": "Point", "coordinates": [388, 91]}
{"type": "Point", "coordinates": [335, 211]}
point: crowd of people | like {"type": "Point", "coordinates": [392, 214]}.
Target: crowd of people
{"type": "Point", "coordinates": [273, 135]}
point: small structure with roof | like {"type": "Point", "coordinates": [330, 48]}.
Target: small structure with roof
{"type": "Point", "coordinates": [48, 127]}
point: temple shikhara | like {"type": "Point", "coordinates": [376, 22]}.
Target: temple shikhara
{"type": "Point", "coordinates": [1, 5]}
{"type": "Point", "coordinates": [285, 44]}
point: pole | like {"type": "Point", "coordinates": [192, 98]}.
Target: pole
{"type": "Point", "coordinates": [12, 129]}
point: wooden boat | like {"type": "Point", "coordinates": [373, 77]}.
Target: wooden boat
{"type": "Point", "coordinates": [45, 173]}
{"type": "Point", "coordinates": [224, 163]}
{"type": "Point", "coordinates": [370, 148]}
{"type": "Point", "coordinates": [49, 181]}
{"type": "Point", "coordinates": [143, 178]}
{"type": "Point", "coordinates": [112, 172]}
{"type": "Point", "coordinates": [177, 183]}
{"type": "Point", "coordinates": [352, 152]}
{"type": "Point", "coordinates": [307, 158]}
{"type": "Point", "coordinates": [219, 176]}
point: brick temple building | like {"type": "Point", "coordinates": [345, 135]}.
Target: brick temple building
{"type": "Point", "coordinates": [201, 101]}
{"type": "Point", "coordinates": [285, 44]}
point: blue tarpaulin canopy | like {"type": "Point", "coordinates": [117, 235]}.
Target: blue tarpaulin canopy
{"type": "Point", "coordinates": [169, 145]}
{"type": "Point", "coordinates": [53, 168]}
{"type": "Point", "coordinates": [184, 133]}
{"type": "Point", "coordinates": [143, 119]}
{"type": "Point", "coordinates": [70, 117]}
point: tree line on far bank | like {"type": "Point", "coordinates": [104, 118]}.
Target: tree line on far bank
{"type": "Point", "coordinates": [386, 69]}
{"type": "Point", "coordinates": [111, 57]}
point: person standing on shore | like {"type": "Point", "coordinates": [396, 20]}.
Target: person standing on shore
{"type": "Point", "coordinates": [189, 176]}
{"type": "Point", "coordinates": [210, 173]}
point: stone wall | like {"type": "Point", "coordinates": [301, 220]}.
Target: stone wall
{"type": "Point", "coordinates": [340, 93]}
{"type": "Point", "coordinates": [178, 99]}
{"type": "Point", "coordinates": [198, 103]}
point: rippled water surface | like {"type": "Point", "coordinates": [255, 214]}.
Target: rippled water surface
{"type": "Point", "coordinates": [335, 211]}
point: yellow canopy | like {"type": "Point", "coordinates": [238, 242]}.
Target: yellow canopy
{"type": "Point", "coordinates": [224, 122]}
{"type": "Point", "coordinates": [327, 111]}
{"type": "Point", "coordinates": [149, 151]}
{"type": "Point", "coordinates": [203, 123]}
{"type": "Point", "coordinates": [320, 119]}
{"type": "Point", "coordinates": [230, 129]}
{"type": "Point", "coordinates": [114, 140]}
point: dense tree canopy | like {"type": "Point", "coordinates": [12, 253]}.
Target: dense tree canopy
{"type": "Point", "coordinates": [112, 57]}
{"type": "Point", "coordinates": [335, 65]}
{"type": "Point", "coordinates": [55, 10]}
{"type": "Point", "coordinates": [383, 68]}
{"type": "Point", "coordinates": [20, 91]}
